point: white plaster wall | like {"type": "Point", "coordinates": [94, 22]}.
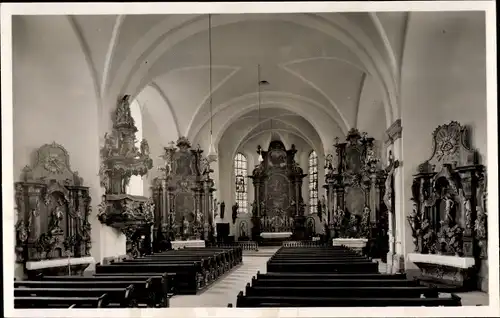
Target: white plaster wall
{"type": "Point", "coordinates": [55, 100]}
{"type": "Point", "coordinates": [443, 79]}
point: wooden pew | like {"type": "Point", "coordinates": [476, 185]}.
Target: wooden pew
{"type": "Point", "coordinates": [323, 267]}
{"type": "Point", "coordinates": [148, 290]}
{"type": "Point", "coordinates": [325, 282]}
{"type": "Point", "coordinates": [331, 276]}
{"type": "Point", "coordinates": [117, 292]}
{"type": "Point", "coordinates": [59, 302]}
{"type": "Point", "coordinates": [186, 275]}
{"type": "Point", "coordinates": [305, 301]}
{"type": "Point", "coordinates": [343, 291]}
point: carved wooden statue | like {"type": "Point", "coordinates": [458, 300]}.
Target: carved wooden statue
{"type": "Point", "coordinates": [53, 209]}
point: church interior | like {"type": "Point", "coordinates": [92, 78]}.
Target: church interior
{"type": "Point", "coordinates": [250, 160]}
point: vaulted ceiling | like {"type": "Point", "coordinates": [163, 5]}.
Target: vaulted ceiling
{"type": "Point", "coordinates": [317, 66]}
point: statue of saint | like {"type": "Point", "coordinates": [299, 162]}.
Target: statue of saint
{"type": "Point", "coordinates": [222, 208]}
{"type": "Point", "coordinates": [185, 226]}
{"type": "Point", "coordinates": [123, 110]}
{"type": "Point", "coordinates": [449, 204]}
{"type": "Point", "coordinates": [235, 212]}
{"type": "Point", "coordinates": [144, 148]}
{"type": "Point", "coordinates": [57, 217]}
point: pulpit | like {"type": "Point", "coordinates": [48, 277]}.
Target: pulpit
{"type": "Point", "coordinates": [184, 195]}
{"type": "Point", "coordinates": [354, 183]}
{"type": "Point", "coordinates": [121, 159]}
{"type": "Point", "coordinates": [278, 209]}
{"type": "Point", "coordinates": [53, 208]}
{"type": "Point", "coordinates": [448, 221]}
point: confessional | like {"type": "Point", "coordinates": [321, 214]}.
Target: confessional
{"type": "Point", "coordinates": [53, 208]}
{"type": "Point", "coordinates": [183, 195]}
{"type": "Point", "coordinates": [278, 209]}
{"type": "Point", "coordinates": [449, 217]}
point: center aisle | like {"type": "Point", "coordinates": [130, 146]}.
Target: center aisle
{"type": "Point", "coordinates": [227, 288]}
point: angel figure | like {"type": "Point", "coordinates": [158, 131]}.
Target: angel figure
{"type": "Point", "coordinates": [144, 148]}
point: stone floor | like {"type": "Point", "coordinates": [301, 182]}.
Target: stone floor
{"type": "Point", "coordinates": [227, 288]}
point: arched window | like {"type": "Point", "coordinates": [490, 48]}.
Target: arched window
{"type": "Point", "coordinates": [240, 173]}
{"type": "Point", "coordinates": [313, 182]}
{"type": "Point", "coordinates": [136, 184]}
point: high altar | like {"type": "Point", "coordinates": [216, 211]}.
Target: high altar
{"type": "Point", "coordinates": [278, 209]}
{"type": "Point", "coordinates": [184, 197]}
{"type": "Point", "coordinates": [449, 218]}
{"type": "Point", "coordinates": [356, 212]}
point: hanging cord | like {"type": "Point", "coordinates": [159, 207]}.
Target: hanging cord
{"type": "Point", "coordinates": [210, 69]}
{"type": "Point", "coordinates": [258, 89]}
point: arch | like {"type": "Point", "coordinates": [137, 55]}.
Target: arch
{"type": "Point", "coordinates": [136, 184]}
{"type": "Point", "coordinates": [313, 182]}
{"type": "Point", "coordinates": [240, 164]}
{"type": "Point", "coordinates": [158, 42]}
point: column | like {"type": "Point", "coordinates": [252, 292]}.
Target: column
{"type": "Point", "coordinates": [396, 214]}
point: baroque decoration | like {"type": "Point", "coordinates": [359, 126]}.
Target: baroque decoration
{"type": "Point", "coordinates": [354, 182]}
{"type": "Point", "coordinates": [277, 180]}
{"type": "Point", "coordinates": [120, 160]}
{"type": "Point", "coordinates": [183, 194]}
{"type": "Point", "coordinates": [53, 208]}
{"type": "Point", "coordinates": [449, 197]}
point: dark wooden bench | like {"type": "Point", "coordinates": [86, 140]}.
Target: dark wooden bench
{"type": "Point", "coordinates": [305, 301]}
{"type": "Point", "coordinates": [331, 275]}
{"type": "Point", "coordinates": [186, 275]}
{"type": "Point", "coordinates": [162, 284]}
{"type": "Point", "coordinates": [325, 282]}
{"type": "Point", "coordinates": [59, 302]}
{"type": "Point", "coordinates": [121, 293]}
{"type": "Point", "coordinates": [148, 290]}
{"type": "Point", "coordinates": [343, 292]}
{"type": "Point", "coordinates": [323, 267]}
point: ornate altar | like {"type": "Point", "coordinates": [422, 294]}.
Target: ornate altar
{"type": "Point", "coordinates": [120, 160]}
{"type": "Point", "coordinates": [53, 208]}
{"type": "Point", "coordinates": [184, 194]}
{"type": "Point", "coordinates": [355, 190]}
{"type": "Point", "coordinates": [448, 221]}
{"type": "Point", "coordinates": [278, 206]}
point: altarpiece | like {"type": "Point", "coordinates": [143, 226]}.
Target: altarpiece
{"type": "Point", "coordinates": [355, 190]}
{"type": "Point", "coordinates": [449, 209]}
{"type": "Point", "coordinates": [184, 194]}
{"type": "Point", "coordinates": [278, 205]}
{"type": "Point", "coordinates": [53, 208]}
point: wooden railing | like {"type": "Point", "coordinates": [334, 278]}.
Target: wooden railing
{"type": "Point", "coordinates": [304, 244]}
{"type": "Point", "coordinates": [245, 245]}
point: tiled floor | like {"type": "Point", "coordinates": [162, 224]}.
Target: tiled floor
{"type": "Point", "coordinates": [227, 288]}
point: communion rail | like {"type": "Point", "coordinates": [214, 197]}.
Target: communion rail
{"type": "Point", "coordinates": [304, 244]}
{"type": "Point", "coordinates": [246, 245]}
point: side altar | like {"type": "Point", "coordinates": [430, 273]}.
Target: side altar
{"type": "Point", "coordinates": [354, 182]}
{"type": "Point", "coordinates": [120, 160]}
{"type": "Point", "coordinates": [278, 209]}
{"type": "Point", "coordinates": [53, 210]}
{"type": "Point", "coordinates": [183, 194]}
{"type": "Point", "coordinates": [449, 218]}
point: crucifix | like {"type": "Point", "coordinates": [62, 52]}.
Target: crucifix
{"type": "Point", "coordinates": [389, 189]}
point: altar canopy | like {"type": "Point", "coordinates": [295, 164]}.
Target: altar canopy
{"type": "Point", "coordinates": [278, 206]}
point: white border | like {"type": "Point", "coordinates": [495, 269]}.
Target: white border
{"type": "Point", "coordinates": [9, 9]}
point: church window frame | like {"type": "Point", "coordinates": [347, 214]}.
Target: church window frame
{"type": "Point", "coordinates": [240, 163]}
{"type": "Point", "coordinates": [313, 181]}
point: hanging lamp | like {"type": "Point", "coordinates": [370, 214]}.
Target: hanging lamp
{"type": "Point", "coordinates": [258, 95]}
{"type": "Point", "coordinates": [212, 153]}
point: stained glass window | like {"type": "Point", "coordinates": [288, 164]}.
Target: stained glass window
{"type": "Point", "coordinates": [240, 173]}
{"type": "Point", "coordinates": [313, 182]}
